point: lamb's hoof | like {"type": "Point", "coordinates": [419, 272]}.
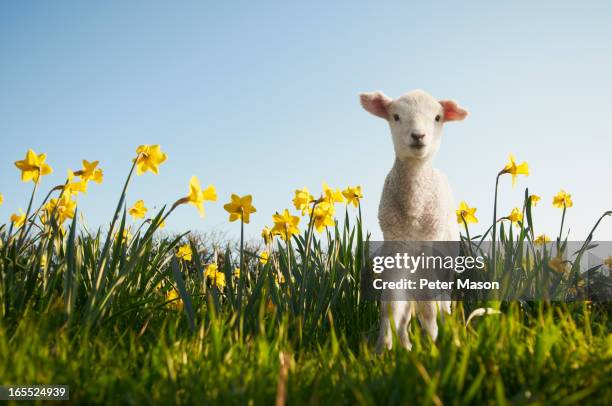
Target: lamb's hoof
{"type": "Point", "coordinates": [383, 345]}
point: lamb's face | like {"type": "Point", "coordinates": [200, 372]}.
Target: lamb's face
{"type": "Point", "coordinates": [415, 119]}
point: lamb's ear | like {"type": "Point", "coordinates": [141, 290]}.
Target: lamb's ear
{"type": "Point", "coordinates": [376, 103]}
{"type": "Point", "coordinates": [452, 111]}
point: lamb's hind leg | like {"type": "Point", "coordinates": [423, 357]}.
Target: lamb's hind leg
{"type": "Point", "coordinates": [401, 313]}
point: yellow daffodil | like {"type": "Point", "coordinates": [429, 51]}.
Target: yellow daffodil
{"type": "Point", "coordinates": [541, 239]}
{"type": "Point", "coordinates": [353, 195]}
{"type": "Point", "coordinates": [267, 235]}
{"type": "Point", "coordinates": [149, 158]}
{"type": "Point", "coordinates": [1, 199]}
{"type": "Point", "coordinates": [184, 252]}
{"type": "Point", "coordinates": [465, 212]}
{"type": "Point", "coordinates": [18, 220]}
{"type": "Point", "coordinates": [302, 200]}
{"type": "Point", "coordinates": [323, 216]}
{"type": "Point", "coordinates": [33, 166]}
{"type": "Point", "coordinates": [74, 188]}
{"type": "Point", "coordinates": [515, 216]}
{"type": "Point", "coordinates": [174, 299]}
{"type": "Point", "coordinates": [285, 225]}
{"type": "Point", "coordinates": [535, 199]}
{"type": "Point", "coordinates": [216, 277]}
{"type": "Point", "coordinates": [608, 262]}
{"type": "Point", "coordinates": [513, 169]}
{"type": "Point", "coordinates": [563, 199]}
{"type": "Point", "coordinates": [64, 208]}
{"type": "Point", "coordinates": [126, 235]}
{"type": "Point", "coordinates": [90, 171]}
{"type": "Point", "coordinates": [558, 264]}
{"type": "Point", "coordinates": [236, 273]}
{"type": "Point", "coordinates": [279, 278]}
{"type": "Point", "coordinates": [138, 210]}
{"type": "Point", "coordinates": [197, 196]}
{"type": "Point", "coordinates": [161, 224]}
{"type": "Point", "coordinates": [264, 257]}
{"type": "Point", "coordinates": [240, 208]}
{"type": "Point", "coordinates": [332, 196]}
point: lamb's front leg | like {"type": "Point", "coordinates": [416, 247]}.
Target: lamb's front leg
{"type": "Point", "coordinates": [427, 312]}
{"type": "Point", "coordinates": [401, 312]}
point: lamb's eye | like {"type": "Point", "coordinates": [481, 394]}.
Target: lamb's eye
{"type": "Point", "coordinates": [396, 117]}
{"type": "Point", "coordinates": [438, 117]}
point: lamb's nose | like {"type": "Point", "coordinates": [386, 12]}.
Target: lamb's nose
{"type": "Point", "coordinates": [417, 136]}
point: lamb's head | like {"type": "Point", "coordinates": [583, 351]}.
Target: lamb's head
{"type": "Point", "coordinates": [415, 119]}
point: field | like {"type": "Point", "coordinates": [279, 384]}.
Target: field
{"type": "Point", "coordinates": [134, 316]}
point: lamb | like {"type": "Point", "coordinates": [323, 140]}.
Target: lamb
{"type": "Point", "coordinates": [416, 202]}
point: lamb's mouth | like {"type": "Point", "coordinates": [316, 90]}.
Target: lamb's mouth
{"type": "Point", "coordinates": [417, 146]}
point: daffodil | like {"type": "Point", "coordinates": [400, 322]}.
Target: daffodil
{"type": "Point", "coordinates": [332, 196]}
{"type": "Point", "coordinates": [184, 252]}
{"type": "Point", "coordinates": [217, 278]}
{"type": "Point", "coordinates": [279, 278]}
{"type": "Point", "coordinates": [197, 196]}
{"type": "Point", "coordinates": [64, 208]}
{"type": "Point", "coordinates": [174, 299]}
{"type": "Point", "coordinates": [126, 235]}
{"type": "Point", "coordinates": [513, 169]}
{"type": "Point", "coordinates": [302, 200]}
{"type": "Point", "coordinates": [608, 262]}
{"type": "Point", "coordinates": [264, 257]}
{"type": "Point", "coordinates": [33, 166]}
{"type": "Point", "coordinates": [90, 172]}
{"type": "Point", "coordinates": [466, 213]}
{"type": "Point", "coordinates": [236, 273]}
{"type": "Point", "coordinates": [1, 199]}
{"type": "Point", "coordinates": [563, 200]}
{"type": "Point", "coordinates": [149, 158]}
{"type": "Point", "coordinates": [353, 195]}
{"type": "Point", "coordinates": [138, 210]}
{"type": "Point", "coordinates": [323, 216]}
{"type": "Point", "coordinates": [267, 235]}
{"type": "Point", "coordinates": [73, 187]}
{"type": "Point", "coordinates": [535, 199]}
{"type": "Point", "coordinates": [240, 208]}
{"type": "Point", "coordinates": [558, 264]}
{"type": "Point", "coordinates": [541, 239]}
{"type": "Point", "coordinates": [285, 225]}
{"type": "Point", "coordinates": [18, 219]}
{"type": "Point", "coordinates": [515, 216]}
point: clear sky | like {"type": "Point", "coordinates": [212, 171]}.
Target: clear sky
{"type": "Point", "coordinates": [262, 98]}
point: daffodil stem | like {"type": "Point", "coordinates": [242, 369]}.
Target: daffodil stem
{"type": "Point", "coordinates": [52, 214]}
{"type": "Point", "coordinates": [494, 231]}
{"type": "Point", "coordinates": [590, 236]}
{"type": "Point", "coordinates": [467, 235]}
{"type": "Point", "coordinates": [107, 243]}
{"type": "Point", "coordinates": [562, 222]}
{"type": "Point", "coordinates": [27, 213]}
{"type": "Point", "coordinates": [241, 266]}
{"type": "Point", "coordinates": [309, 236]}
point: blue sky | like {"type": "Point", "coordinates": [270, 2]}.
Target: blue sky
{"type": "Point", "coordinates": [263, 99]}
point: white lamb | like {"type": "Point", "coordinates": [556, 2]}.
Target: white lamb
{"type": "Point", "coordinates": [416, 202]}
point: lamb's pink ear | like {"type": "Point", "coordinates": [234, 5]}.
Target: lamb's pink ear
{"type": "Point", "coordinates": [376, 103]}
{"type": "Point", "coordinates": [452, 111]}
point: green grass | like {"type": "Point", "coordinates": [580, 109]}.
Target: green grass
{"type": "Point", "coordinates": [93, 312]}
